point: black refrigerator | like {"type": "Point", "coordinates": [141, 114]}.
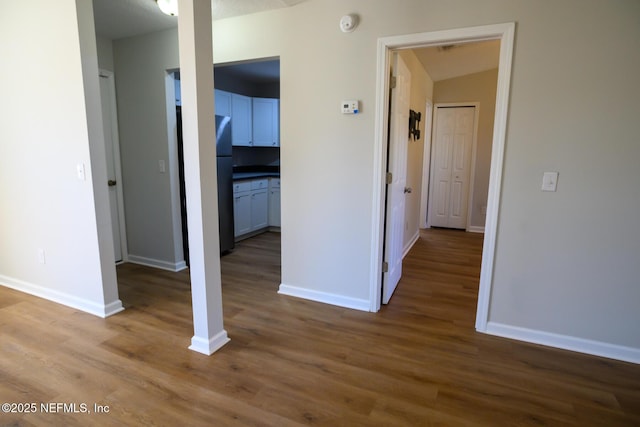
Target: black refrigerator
{"type": "Point", "coordinates": [225, 184]}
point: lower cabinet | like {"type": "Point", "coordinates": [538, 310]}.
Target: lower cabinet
{"type": "Point", "coordinates": [250, 206]}
{"type": "Point", "coordinates": [274, 202]}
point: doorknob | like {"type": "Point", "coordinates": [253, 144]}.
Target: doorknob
{"type": "Point", "coordinates": [407, 190]}
{"type": "Point", "coordinates": [111, 182]}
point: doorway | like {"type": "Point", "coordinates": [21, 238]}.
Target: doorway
{"type": "Point", "coordinates": [505, 34]}
{"type": "Point", "coordinates": [114, 170]}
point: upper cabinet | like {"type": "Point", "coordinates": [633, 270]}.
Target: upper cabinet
{"type": "Point", "coordinates": [255, 122]}
{"type": "Point", "coordinates": [266, 122]}
{"type": "Point", "coordinates": [241, 120]}
{"type": "Point", "coordinates": [222, 102]}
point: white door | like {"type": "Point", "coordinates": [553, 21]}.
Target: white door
{"type": "Point", "coordinates": [107, 95]}
{"type": "Point", "coordinates": [452, 145]}
{"type": "Point", "coordinates": [398, 146]}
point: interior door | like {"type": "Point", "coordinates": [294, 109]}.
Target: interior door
{"type": "Point", "coordinates": [452, 145]}
{"type": "Point", "coordinates": [398, 146]}
{"type": "Point", "coordinates": [108, 126]}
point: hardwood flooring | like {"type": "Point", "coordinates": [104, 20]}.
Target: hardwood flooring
{"type": "Point", "coordinates": [418, 362]}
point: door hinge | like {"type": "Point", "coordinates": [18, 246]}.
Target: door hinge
{"type": "Point", "coordinates": [393, 82]}
{"type": "Point", "coordinates": [385, 267]}
{"type": "Point", "coordinates": [389, 178]}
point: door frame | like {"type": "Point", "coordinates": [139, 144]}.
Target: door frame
{"type": "Point", "coordinates": [426, 162]}
{"type": "Point", "coordinates": [503, 32]}
{"type": "Point", "coordinates": [109, 75]}
{"type": "Point", "coordinates": [472, 166]}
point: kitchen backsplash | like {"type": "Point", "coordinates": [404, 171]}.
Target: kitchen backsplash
{"type": "Point", "coordinates": [250, 156]}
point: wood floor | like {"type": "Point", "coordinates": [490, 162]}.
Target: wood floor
{"type": "Point", "coordinates": [418, 362]}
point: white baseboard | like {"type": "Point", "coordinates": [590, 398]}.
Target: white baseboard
{"type": "Point", "coordinates": [413, 241]}
{"type": "Point", "coordinates": [475, 229]}
{"type": "Point", "coordinates": [324, 297]}
{"type": "Point", "coordinates": [100, 310]}
{"type": "Point", "coordinates": [580, 345]}
{"type": "Point", "coordinates": [156, 263]}
{"type": "Point", "coordinates": [211, 345]}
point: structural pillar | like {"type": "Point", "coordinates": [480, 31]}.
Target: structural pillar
{"type": "Point", "coordinates": [198, 129]}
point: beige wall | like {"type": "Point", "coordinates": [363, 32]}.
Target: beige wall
{"type": "Point", "coordinates": [421, 91]}
{"type": "Point", "coordinates": [566, 262]}
{"type": "Point", "coordinates": [481, 88]}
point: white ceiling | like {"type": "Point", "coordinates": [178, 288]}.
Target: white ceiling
{"type": "Point", "coordinates": [117, 19]}
{"type": "Point", "coordinates": [458, 60]}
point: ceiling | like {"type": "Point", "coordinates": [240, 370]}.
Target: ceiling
{"type": "Point", "coordinates": [447, 62]}
{"type": "Point", "coordinates": [115, 19]}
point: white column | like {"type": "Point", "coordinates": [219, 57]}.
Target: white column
{"type": "Point", "coordinates": [198, 128]}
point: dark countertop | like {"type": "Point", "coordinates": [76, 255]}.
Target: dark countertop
{"type": "Point", "coordinates": [239, 176]}
{"type": "Point", "coordinates": [258, 171]}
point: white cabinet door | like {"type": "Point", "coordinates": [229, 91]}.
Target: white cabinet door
{"type": "Point", "coordinates": [222, 102]}
{"type": "Point", "coordinates": [241, 213]}
{"type": "Point", "coordinates": [241, 120]}
{"type": "Point", "coordinates": [259, 209]}
{"type": "Point", "coordinates": [266, 122]}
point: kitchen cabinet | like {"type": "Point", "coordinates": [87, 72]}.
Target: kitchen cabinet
{"type": "Point", "coordinates": [274, 202]}
{"type": "Point", "coordinates": [241, 120]}
{"type": "Point", "coordinates": [241, 208]}
{"type": "Point", "coordinates": [259, 204]}
{"type": "Point", "coordinates": [266, 122]}
{"type": "Point", "coordinates": [222, 101]}
{"type": "Point", "coordinates": [251, 206]}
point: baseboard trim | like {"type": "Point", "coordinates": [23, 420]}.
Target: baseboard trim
{"type": "Point", "coordinates": [100, 310]}
{"type": "Point", "coordinates": [211, 345]}
{"type": "Point", "coordinates": [413, 241]}
{"type": "Point", "coordinates": [475, 229]}
{"type": "Point", "coordinates": [156, 263]}
{"type": "Point", "coordinates": [565, 342]}
{"type": "Point", "coordinates": [325, 297]}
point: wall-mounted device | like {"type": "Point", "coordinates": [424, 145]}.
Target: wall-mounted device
{"type": "Point", "coordinates": [414, 124]}
{"type": "Point", "coordinates": [348, 23]}
{"type": "Point", "coordinates": [350, 107]}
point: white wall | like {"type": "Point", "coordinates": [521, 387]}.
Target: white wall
{"type": "Point", "coordinates": [140, 68]}
{"type": "Point", "coordinates": [566, 262]}
{"type": "Point", "coordinates": [50, 123]}
{"type": "Point", "coordinates": [421, 90]}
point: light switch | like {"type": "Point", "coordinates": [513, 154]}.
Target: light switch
{"type": "Point", "coordinates": [549, 181]}
{"type": "Point", "coordinates": [161, 166]}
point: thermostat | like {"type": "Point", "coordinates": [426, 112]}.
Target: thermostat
{"type": "Point", "coordinates": [350, 107]}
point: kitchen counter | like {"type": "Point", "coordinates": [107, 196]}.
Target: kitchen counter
{"type": "Point", "coordinates": [255, 171]}
{"type": "Point", "coordinates": [239, 176]}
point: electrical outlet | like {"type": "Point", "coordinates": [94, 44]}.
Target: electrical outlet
{"type": "Point", "coordinates": [41, 257]}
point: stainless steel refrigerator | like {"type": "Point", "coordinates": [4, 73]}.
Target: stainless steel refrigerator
{"type": "Point", "coordinates": [225, 184]}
